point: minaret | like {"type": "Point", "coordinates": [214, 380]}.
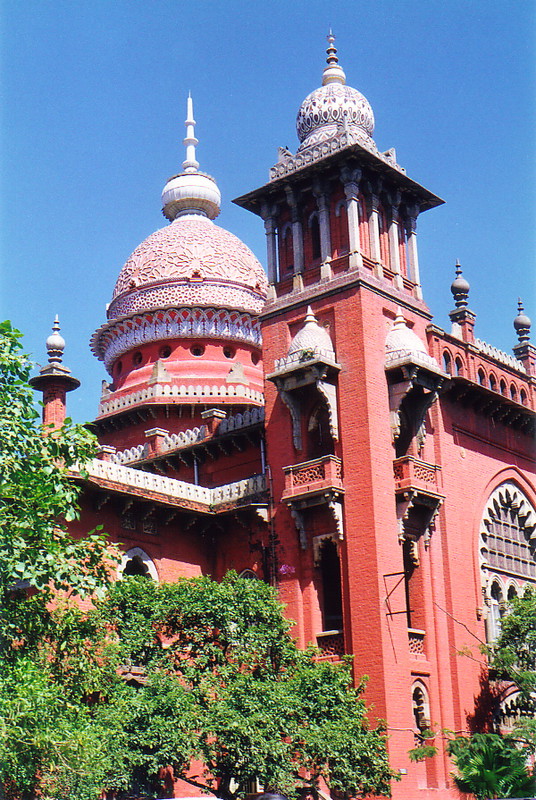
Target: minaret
{"type": "Point", "coordinates": [54, 380]}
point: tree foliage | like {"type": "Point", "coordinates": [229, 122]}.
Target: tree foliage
{"type": "Point", "coordinates": [46, 730]}
{"type": "Point", "coordinates": [491, 766]}
{"type": "Point", "coordinates": [513, 655]}
{"type": "Point", "coordinates": [37, 497]}
{"type": "Point", "coordinates": [225, 696]}
{"type": "Point", "coordinates": [226, 686]}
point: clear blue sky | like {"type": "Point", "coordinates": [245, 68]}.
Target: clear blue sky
{"type": "Point", "coordinates": [93, 109]}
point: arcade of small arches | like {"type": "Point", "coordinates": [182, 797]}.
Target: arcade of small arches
{"type": "Point", "coordinates": [338, 221]}
{"type": "Point", "coordinates": [455, 366]}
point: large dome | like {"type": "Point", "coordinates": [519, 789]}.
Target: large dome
{"type": "Point", "coordinates": [192, 261]}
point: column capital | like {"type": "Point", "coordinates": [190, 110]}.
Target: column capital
{"type": "Point", "coordinates": [351, 175]}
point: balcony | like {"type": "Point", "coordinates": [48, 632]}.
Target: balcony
{"type": "Point", "coordinates": [412, 473]}
{"type": "Point", "coordinates": [331, 645]}
{"type": "Point", "coordinates": [317, 477]}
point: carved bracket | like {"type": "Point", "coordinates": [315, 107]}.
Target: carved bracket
{"type": "Point", "coordinates": [336, 509]}
{"type": "Point", "coordinates": [299, 521]}
{"type": "Point", "coordinates": [293, 406]}
{"type": "Point", "coordinates": [329, 392]}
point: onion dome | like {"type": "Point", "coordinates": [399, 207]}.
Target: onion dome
{"type": "Point", "coordinates": [333, 105]}
{"type": "Point", "coordinates": [403, 344]}
{"type": "Point", "coordinates": [460, 288]}
{"type": "Point", "coordinates": [522, 323]}
{"type": "Point", "coordinates": [312, 337]}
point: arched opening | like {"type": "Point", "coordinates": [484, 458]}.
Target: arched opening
{"type": "Point", "coordinates": [447, 363]}
{"type": "Point", "coordinates": [319, 439]}
{"type": "Point", "coordinates": [459, 367]}
{"type": "Point", "coordinates": [330, 574]}
{"type": "Point", "coordinates": [135, 566]}
{"type": "Point", "coordinates": [502, 387]}
{"type": "Point", "coordinates": [384, 237]}
{"type": "Point", "coordinates": [513, 393]}
{"type": "Point", "coordinates": [481, 377]}
{"type": "Point", "coordinates": [136, 562]}
{"type": "Point", "coordinates": [315, 237]}
{"type": "Point", "coordinates": [421, 709]}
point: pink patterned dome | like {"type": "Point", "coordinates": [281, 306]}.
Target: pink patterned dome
{"type": "Point", "coordinates": [192, 261]}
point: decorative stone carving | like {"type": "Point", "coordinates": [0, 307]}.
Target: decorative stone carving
{"type": "Point", "coordinates": [191, 257]}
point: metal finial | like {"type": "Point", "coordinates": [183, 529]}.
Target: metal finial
{"type": "Point", "coordinates": [190, 164]}
{"type": "Point", "coordinates": [333, 73]}
{"type": "Point", "coordinates": [55, 343]}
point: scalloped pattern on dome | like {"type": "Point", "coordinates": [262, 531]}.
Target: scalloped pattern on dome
{"type": "Point", "coordinates": [190, 260]}
{"type": "Point", "coordinates": [330, 105]}
{"type": "Point", "coordinates": [311, 336]}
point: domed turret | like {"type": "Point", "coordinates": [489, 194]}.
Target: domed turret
{"type": "Point", "coordinates": [333, 105]}
{"type": "Point", "coordinates": [403, 344]}
{"type": "Point", "coordinates": [522, 323]}
{"type": "Point", "coordinates": [183, 316]}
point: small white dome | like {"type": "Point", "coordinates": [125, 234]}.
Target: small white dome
{"type": "Point", "coordinates": [403, 343]}
{"type": "Point", "coordinates": [312, 336]}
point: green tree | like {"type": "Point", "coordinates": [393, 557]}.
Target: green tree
{"type": "Point", "coordinates": [225, 686]}
{"type": "Point", "coordinates": [49, 656]}
{"type": "Point", "coordinates": [491, 766]}
{"type": "Point", "coordinates": [513, 655]}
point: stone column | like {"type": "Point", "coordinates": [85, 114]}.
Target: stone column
{"type": "Point", "coordinates": [411, 231]}
{"type": "Point", "coordinates": [271, 243]}
{"type": "Point", "coordinates": [394, 240]}
{"type": "Point", "coordinates": [297, 231]}
{"type": "Point", "coordinates": [350, 179]}
{"type": "Point", "coordinates": [374, 226]}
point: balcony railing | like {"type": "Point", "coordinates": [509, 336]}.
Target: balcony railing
{"type": "Point", "coordinates": [331, 645]}
{"type": "Point", "coordinates": [412, 473]}
{"type": "Point", "coordinates": [312, 477]}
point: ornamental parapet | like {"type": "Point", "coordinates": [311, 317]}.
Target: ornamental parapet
{"type": "Point", "coordinates": [331, 645]}
{"type": "Point", "coordinates": [413, 473]}
{"type": "Point", "coordinates": [321, 475]}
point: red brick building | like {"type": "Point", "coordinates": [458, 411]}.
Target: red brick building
{"type": "Point", "coordinates": [317, 430]}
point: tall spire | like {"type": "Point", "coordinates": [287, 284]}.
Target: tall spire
{"type": "Point", "coordinates": [333, 73]}
{"type": "Point", "coordinates": [191, 192]}
{"type": "Point", "coordinates": [190, 141]}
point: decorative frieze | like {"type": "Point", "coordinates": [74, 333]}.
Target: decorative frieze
{"type": "Point", "coordinates": [118, 337]}
{"type": "Point", "coordinates": [184, 391]}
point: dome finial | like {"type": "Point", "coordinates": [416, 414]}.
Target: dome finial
{"type": "Point", "coordinates": [333, 73]}
{"type": "Point", "coordinates": [190, 164]}
{"type": "Point", "coordinates": [55, 344]}
{"type": "Point", "coordinates": [460, 288]}
{"type": "Point", "coordinates": [522, 323]}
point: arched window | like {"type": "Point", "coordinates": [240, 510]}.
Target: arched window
{"type": "Point", "coordinates": [502, 387]}
{"type": "Point", "coordinates": [507, 549]}
{"type": "Point", "coordinates": [513, 392]}
{"type": "Point", "coordinates": [364, 239]}
{"type": "Point", "coordinates": [314, 227]}
{"type": "Point", "coordinates": [421, 709]}
{"type": "Point", "coordinates": [137, 562]}
{"type": "Point", "coordinates": [447, 362]}
{"type": "Point", "coordinates": [493, 382]}
{"type": "Point", "coordinates": [286, 249]}
{"type": "Point", "coordinates": [402, 248]}
{"type": "Point", "coordinates": [459, 367]}
{"type": "Point", "coordinates": [328, 562]}
{"type": "Point", "coordinates": [341, 239]}
{"type": "Point", "coordinates": [523, 397]}
{"type": "Point", "coordinates": [384, 237]}
{"type": "Point", "coordinates": [481, 377]}
{"type": "Point", "coordinates": [320, 440]}
{"type": "Point", "coordinates": [249, 575]}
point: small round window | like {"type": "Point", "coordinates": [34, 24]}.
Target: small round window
{"type": "Point", "coordinates": [229, 352]}
{"type": "Point", "coordinates": [137, 358]}
{"type": "Point", "coordinates": [197, 350]}
{"type": "Point", "coordinates": [165, 351]}
{"type": "Point", "coordinates": [254, 358]}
